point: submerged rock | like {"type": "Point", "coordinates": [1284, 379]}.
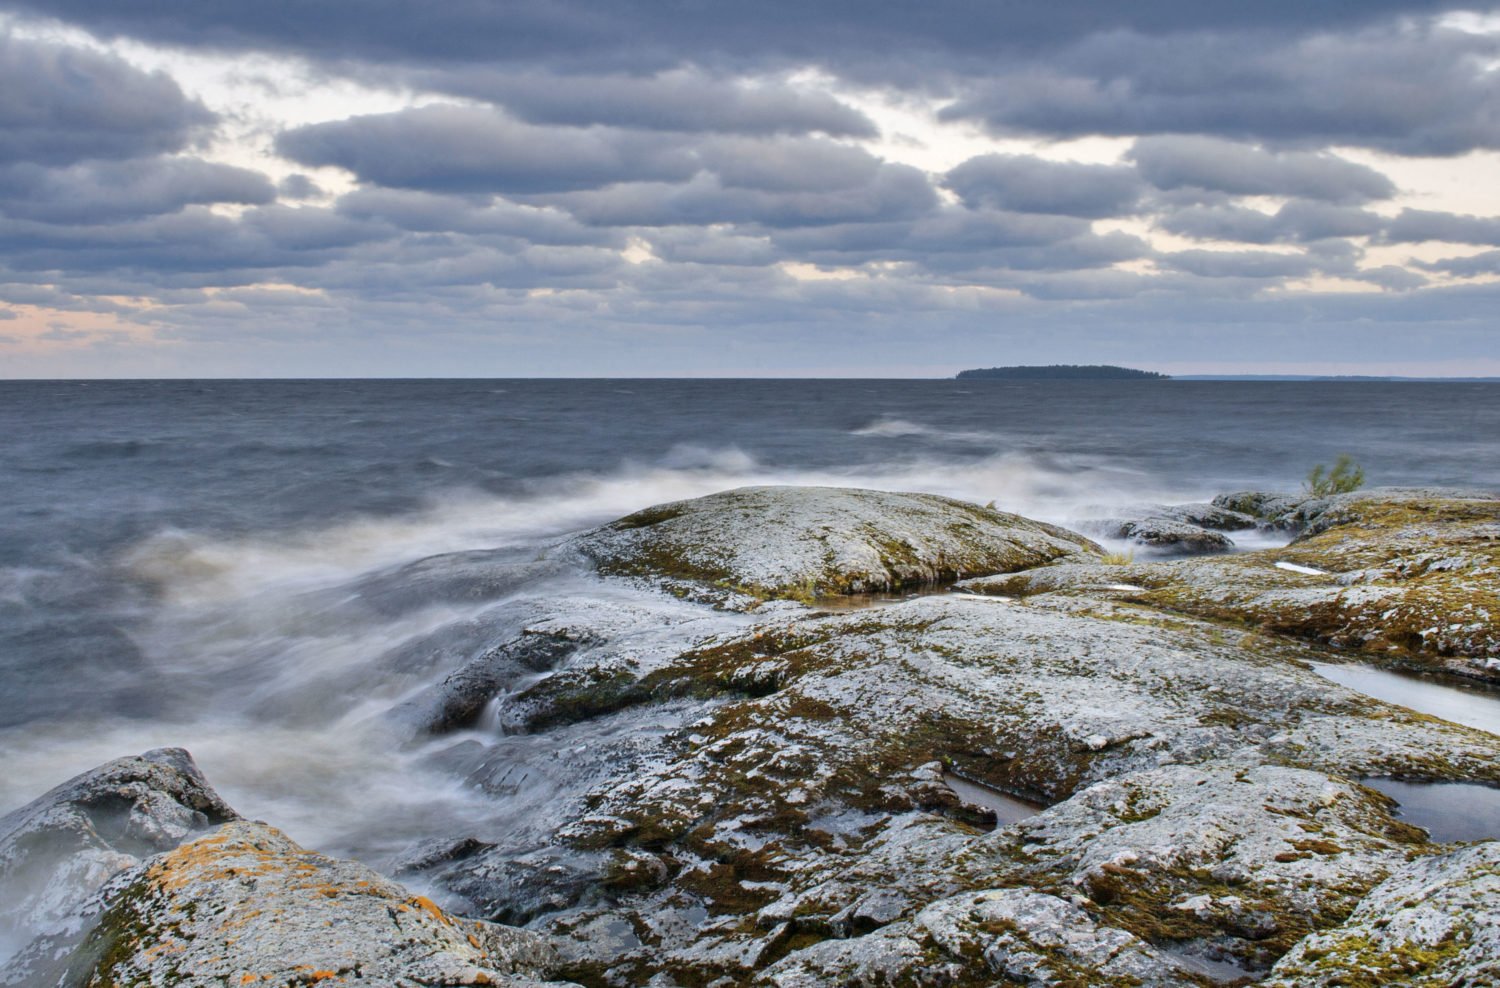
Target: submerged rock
{"type": "Point", "coordinates": [1176, 528]}
{"type": "Point", "coordinates": [459, 699]}
{"type": "Point", "coordinates": [1161, 533]}
{"type": "Point", "coordinates": [59, 849]}
{"type": "Point", "coordinates": [805, 542]}
{"type": "Point", "coordinates": [246, 906]}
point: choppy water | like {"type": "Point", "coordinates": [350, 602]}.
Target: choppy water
{"type": "Point", "coordinates": [220, 565]}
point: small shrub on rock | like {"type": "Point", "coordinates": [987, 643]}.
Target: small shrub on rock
{"type": "Point", "coordinates": [1343, 477]}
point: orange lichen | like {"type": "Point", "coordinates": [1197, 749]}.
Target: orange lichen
{"type": "Point", "coordinates": [431, 908]}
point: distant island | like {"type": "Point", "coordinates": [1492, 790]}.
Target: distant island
{"type": "Point", "coordinates": [1062, 372]}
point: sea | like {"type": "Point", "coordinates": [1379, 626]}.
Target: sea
{"type": "Point", "coordinates": [228, 566]}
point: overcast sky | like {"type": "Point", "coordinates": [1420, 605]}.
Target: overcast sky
{"type": "Point", "coordinates": [772, 188]}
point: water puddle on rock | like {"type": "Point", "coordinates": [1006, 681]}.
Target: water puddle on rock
{"type": "Point", "coordinates": [1007, 808]}
{"type": "Point", "coordinates": [1449, 811]}
{"type": "Point", "coordinates": [1221, 972]}
{"type": "Point", "coordinates": [1471, 707]}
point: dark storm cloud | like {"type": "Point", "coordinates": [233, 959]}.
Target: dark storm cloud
{"type": "Point", "coordinates": [693, 130]}
{"type": "Point", "coordinates": [700, 245]}
{"type": "Point", "coordinates": [638, 32]}
{"type": "Point", "coordinates": [1238, 169]}
{"type": "Point", "coordinates": [686, 100]}
{"type": "Point", "coordinates": [103, 191]}
{"type": "Point", "coordinates": [298, 186]}
{"type": "Point", "coordinates": [1413, 226]}
{"type": "Point", "coordinates": [1035, 185]}
{"type": "Point", "coordinates": [472, 149]}
{"type": "Point", "coordinates": [60, 105]}
{"type": "Point", "coordinates": [1403, 87]}
{"type": "Point", "coordinates": [957, 243]}
{"type": "Point", "coordinates": [953, 229]}
{"type": "Point", "coordinates": [788, 164]}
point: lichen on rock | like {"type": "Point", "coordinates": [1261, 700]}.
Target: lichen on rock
{"type": "Point", "coordinates": [1407, 577]}
{"type": "Point", "coordinates": [246, 906]}
{"type": "Point", "coordinates": [1432, 922]}
{"type": "Point", "coordinates": [60, 848]}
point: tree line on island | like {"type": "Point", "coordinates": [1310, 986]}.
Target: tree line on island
{"type": "Point", "coordinates": [1062, 372]}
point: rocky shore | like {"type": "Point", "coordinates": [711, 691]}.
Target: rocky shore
{"type": "Point", "coordinates": [938, 745]}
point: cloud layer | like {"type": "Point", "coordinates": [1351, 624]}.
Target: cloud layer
{"type": "Point", "coordinates": [637, 187]}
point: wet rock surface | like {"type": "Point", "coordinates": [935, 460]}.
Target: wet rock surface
{"type": "Point", "coordinates": [763, 795]}
{"type": "Point", "coordinates": [1181, 529]}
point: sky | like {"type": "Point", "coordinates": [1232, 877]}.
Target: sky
{"type": "Point", "coordinates": [577, 188]}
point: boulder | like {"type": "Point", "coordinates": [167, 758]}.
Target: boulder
{"type": "Point", "coordinates": [1172, 528]}
{"type": "Point", "coordinates": [59, 849]}
{"type": "Point", "coordinates": [801, 543]}
{"type": "Point", "coordinates": [245, 906]}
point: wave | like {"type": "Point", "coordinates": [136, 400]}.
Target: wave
{"type": "Point", "coordinates": [887, 427]}
{"type": "Point", "coordinates": [201, 567]}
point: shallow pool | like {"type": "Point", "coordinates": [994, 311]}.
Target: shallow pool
{"type": "Point", "coordinates": [1449, 811]}
{"type": "Point", "coordinates": [1471, 707]}
{"type": "Point", "coordinates": [1007, 809]}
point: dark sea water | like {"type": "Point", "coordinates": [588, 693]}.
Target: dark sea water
{"type": "Point", "coordinates": [191, 562]}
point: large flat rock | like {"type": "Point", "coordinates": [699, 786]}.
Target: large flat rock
{"type": "Point", "coordinates": [808, 802]}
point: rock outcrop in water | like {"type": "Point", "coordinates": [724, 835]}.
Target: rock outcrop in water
{"type": "Point", "coordinates": [809, 798]}
{"type": "Point", "coordinates": [57, 850]}
{"type": "Point", "coordinates": [169, 901]}
{"type": "Point", "coordinates": [1177, 528]}
{"type": "Point", "coordinates": [801, 543]}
